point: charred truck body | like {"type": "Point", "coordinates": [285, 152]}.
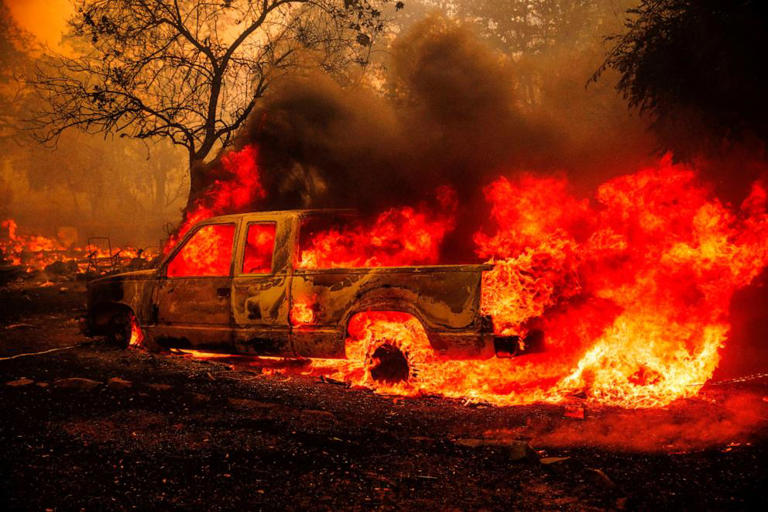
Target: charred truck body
{"type": "Point", "coordinates": [256, 298]}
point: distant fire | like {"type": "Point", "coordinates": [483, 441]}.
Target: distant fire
{"type": "Point", "coordinates": [36, 253]}
{"type": "Point", "coordinates": [30, 250]}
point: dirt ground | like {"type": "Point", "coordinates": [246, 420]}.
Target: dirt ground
{"type": "Point", "coordinates": [175, 433]}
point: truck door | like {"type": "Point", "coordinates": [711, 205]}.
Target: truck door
{"type": "Point", "coordinates": [193, 299]}
{"type": "Point", "coordinates": [259, 301]}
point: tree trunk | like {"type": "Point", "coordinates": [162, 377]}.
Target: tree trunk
{"type": "Point", "coordinates": [198, 182]}
{"type": "Point", "coordinates": [159, 177]}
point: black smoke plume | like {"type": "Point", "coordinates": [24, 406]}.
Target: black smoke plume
{"type": "Point", "coordinates": [451, 114]}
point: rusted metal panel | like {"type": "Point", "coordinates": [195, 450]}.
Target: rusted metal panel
{"type": "Point", "coordinates": [191, 312]}
{"type": "Point", "coordinates": [441, 299]}
{"type": "Point", "coordinates": [309, 341]}
{"type": "Point", "coordinates": [260, 301]}
{"type": "Point", "coordinates": [260, 311]}
{"type": "Point", "coordinates": [194, 301]}
{"type": "Point", "coordinates": [445, 300]}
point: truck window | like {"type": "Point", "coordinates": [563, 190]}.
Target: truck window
{"type": "Point", "coordinates": [207, 253]}
{"type": "Point", "coordinates": [259, 247]}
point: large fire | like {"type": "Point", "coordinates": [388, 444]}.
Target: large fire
{"type": "Point", "coordinates": [238, 188]}
{"type": "Point", "coordinates": [631, 288]}
{"type": "Point", "coordinates": [208, 254]}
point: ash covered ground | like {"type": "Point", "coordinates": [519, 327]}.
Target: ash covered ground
{"type": "Point", "coordinates": [98, 428]}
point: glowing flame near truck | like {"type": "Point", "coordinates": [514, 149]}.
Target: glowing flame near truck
{"type": "Point", "coordinates": [631, 286]}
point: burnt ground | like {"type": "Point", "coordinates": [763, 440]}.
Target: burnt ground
{"type": "Point", "coordinates": [204, 435]}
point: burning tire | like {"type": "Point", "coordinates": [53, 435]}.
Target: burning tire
{"type": "Point", "coordinates": [124, 331]}
{"type": "Point", "coordinates": [390, 345]}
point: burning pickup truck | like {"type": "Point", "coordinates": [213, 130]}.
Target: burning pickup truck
{"type": "Point", "coordinates": [241, 284]}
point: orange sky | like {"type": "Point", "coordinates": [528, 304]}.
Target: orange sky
{"type": "Point", "coordinates": [45, 19]}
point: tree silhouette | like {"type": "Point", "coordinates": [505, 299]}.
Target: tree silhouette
{"type": "Point", "coordinates": [191, 71]}
{"type": "Point", "coordinates": [697, 67]}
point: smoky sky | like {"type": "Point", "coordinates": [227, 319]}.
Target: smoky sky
{"type": "Point", "coordinates": [449, 113]}
{"type": "Point", "coordinates": [448, 117]}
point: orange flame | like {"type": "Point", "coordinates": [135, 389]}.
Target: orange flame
{"type": "Point", "coordinates": [631, 288]}
{"type": "Point", "coordinates": [238, 188]}
{"type": "Point", "coordinates": [399, 236]}
{"type": "Point", "coordinates": [137, 335]}
{"type": "Point", "coordinates": [208, 253]}
{"type": "Point", "coordinates": [302, 312]}
{"type": "Point", "coordinates": [36, 252]}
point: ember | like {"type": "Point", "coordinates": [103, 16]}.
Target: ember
{"type": "Point", "coordinates": [137, 336]}
{"type": "Point", "coordinates": [302, 312]}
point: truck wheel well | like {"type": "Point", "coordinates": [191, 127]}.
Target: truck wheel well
{"type": "Point", "coordinates": [365, 326]}
{"type": "Point", "coordinates": [103, 315]}
{"type": "Point", "coordinates": [356, 320]}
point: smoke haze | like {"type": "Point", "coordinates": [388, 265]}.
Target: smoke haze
{"type": "Point", "coordinates": [454, 113]}
{"type": "Point", "coordinates": [452, 104]}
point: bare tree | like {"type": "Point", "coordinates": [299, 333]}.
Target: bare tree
{"type": "Point", "coordinates": [191, 70]}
